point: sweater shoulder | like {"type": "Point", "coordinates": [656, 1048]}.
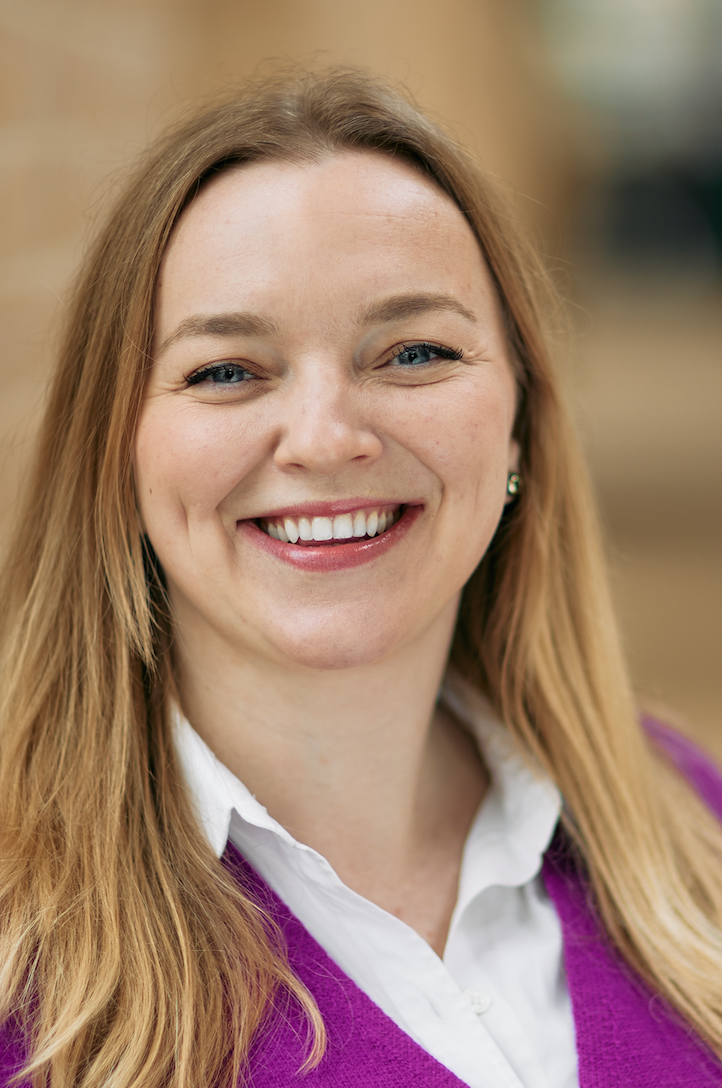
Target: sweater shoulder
{"type": "Point", "coordinates": [698, 767]}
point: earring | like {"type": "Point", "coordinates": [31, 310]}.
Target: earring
{"type": "Point", "coordinates": [513, 484]}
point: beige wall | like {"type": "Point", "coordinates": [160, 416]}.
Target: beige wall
{"type": "Point", "coordinates": [79, 86]}
{"type": "Point", "coordinates": [84, 84]}
{"type": "Point", "coordinates": [647, 393]}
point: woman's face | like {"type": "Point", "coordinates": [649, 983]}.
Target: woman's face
{"type": "Point", "coordinates": [329, 363]}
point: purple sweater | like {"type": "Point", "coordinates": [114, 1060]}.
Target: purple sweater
{"type": "Point", "coordinates": [626, 1036]}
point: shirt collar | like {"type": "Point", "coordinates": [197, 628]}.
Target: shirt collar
{"type": "Point", "coordinates": [508, 837]}
{"type": "Point", "coordinates": [520, 810]}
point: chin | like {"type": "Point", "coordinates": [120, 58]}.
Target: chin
{"type": "Point", "coordinates": [336, 645]}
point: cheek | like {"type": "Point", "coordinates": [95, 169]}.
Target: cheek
{"type": "Point", "coordinates": [463, 435]}
{"type": "Point", "coordinates": [187, 462]}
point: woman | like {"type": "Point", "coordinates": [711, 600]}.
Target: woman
{"type": "Point", "coordinates": [305, 448]}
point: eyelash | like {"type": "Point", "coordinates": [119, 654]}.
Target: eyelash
{"type": "Point", "coordinates": [215, 368]}
{"type": "Point", "coordinates": [420, 347]}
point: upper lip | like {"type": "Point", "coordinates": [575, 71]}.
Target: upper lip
{"type": "Point", "coordinates": [329, 509]}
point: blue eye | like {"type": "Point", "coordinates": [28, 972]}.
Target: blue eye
{"type": "Point", "coordinates": [221, 374]}
{"type": "Point", "coordinates": [422, 354]}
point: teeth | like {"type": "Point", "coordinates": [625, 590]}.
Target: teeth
{"type": "Point", "coordinates": [359, 523]}
{"type": "Point", "coordinates": [322, 529]}
{"type": "Point", "coordinates": [342, 527]}
{"type": "Point", "coordinates": [291, 530]}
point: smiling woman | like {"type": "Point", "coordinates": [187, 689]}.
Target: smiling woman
{"type": "Point", "coordinates": [318, 757]}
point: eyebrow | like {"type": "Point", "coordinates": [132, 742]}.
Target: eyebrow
{"type": "Point", "coordinates": [395, 308]}
{"type": "Point", "coordinates": [233, 324]}
{"type": "Point", "coordinates": [400, 306]}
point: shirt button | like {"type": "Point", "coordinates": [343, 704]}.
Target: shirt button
{"type": "Point", "coordinates": [479, 1002]}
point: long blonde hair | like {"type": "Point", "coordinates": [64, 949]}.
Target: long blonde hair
{"type": "Point", "coordinates": [127, 952]}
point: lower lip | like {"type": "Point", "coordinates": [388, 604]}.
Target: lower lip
{"type": "Point", "coordinates": [328, 557]}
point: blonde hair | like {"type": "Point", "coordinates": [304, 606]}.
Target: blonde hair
{"type": "Point", "coordinates": [127, 951]}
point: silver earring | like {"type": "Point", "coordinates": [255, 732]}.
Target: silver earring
{"type": "Point", "coordinates": [513, 484]}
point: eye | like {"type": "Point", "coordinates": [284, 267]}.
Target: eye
{"type": "Point", "coordinates": [221, 374]}
{"type": "Point", "coordinates": [419, 355]}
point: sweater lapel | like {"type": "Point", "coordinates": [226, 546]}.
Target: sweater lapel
{"type": "Point", "coordinates": [365, 1047]}
{"type": "Point", "coordinates": [626, 1036]}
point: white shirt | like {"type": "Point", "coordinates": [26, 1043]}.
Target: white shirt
{"type": "Point", "coordinates": [495, 1010]}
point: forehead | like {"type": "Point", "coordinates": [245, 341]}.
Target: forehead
{"type": "Point", "coordinates": [360, 183]}
{"type": "Point", "coordinates": [351, 224]}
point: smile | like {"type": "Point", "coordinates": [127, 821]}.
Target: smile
{"type": "Point", "coordinates": [312, 529]}
{"type": "Point", "coordinates": [311, 541]}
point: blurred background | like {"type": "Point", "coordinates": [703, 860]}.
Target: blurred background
{"type": "Point", "coordinates": [602, 119]}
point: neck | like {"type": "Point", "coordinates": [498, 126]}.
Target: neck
{"type": "Point", "coordinates": [358, 763]}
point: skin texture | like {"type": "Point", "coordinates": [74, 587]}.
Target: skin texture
{"type": "Point", "coordinates": [318, 688]}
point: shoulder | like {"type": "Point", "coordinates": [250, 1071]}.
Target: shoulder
{"type": "Point", "coordinates": [13, 1055]}
{"type": "Point", "coordinates": [696, 765]}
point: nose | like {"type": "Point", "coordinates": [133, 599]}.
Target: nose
{"type": "Point", "coordinates": [325, 429]}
